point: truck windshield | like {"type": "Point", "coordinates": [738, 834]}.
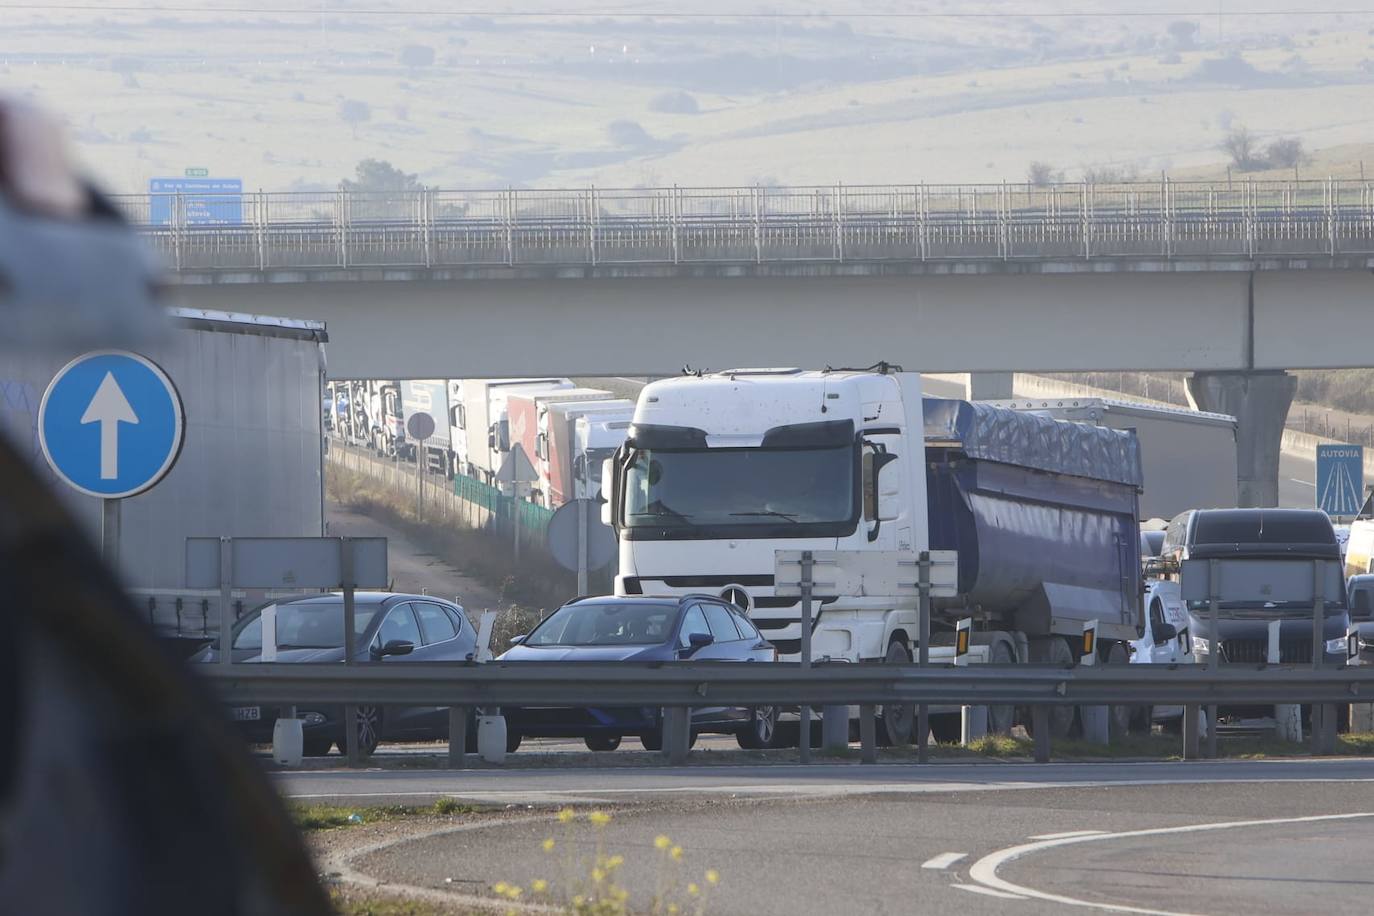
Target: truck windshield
{"type": "Point", "coordinates": [799, 488]}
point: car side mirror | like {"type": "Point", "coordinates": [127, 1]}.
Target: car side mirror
{"type": "Point", "coordinates": [517, 640]}
{"type": "Point", "coordinates": [699, 641]}
{"type": "Point", "coordinates": [1164, 632]}
{"type": "Point", "coordinates": [395, 647]}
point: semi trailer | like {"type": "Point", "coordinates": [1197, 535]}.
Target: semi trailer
{"type": "Point", "coordinates": [719, 471]}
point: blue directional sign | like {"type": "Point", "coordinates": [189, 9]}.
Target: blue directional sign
{"type": "Point", "coordinates": [1340, 479]}
{"type": "Point", "coordinates": [203, 201]}
{"type": "Point", "coordinates": [111, 424]}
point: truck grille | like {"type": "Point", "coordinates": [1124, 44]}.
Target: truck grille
{"type": "Point", "coordinates": [1256, 651]}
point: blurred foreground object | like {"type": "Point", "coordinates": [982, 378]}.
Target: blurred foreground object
{"type": "Point", "coordinates": [72, 275]}
{"type": "Point", "coordinates": [122, 787]}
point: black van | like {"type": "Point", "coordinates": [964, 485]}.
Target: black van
{"type": "Point", "coordinates": [1261, 535]}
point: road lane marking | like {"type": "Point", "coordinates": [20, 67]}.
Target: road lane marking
{"type": "Point", "coordinates": [987, 891]}
{"type": "Point", "coordinates": [944, 860]}
{"type": "Point", "coordinates": [984, 871]}
{"type": "Point", "coordinates": [1065, 835]}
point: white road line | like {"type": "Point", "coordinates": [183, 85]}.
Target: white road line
{"type": "Point", "coordinates": [979, 889]}
{"type": "Point", "coordinates": [1305, 483]}
{"type": "Point", "coordinates": [984, 871]}
{"type": "Point", "coordinates": [944, 860]}
{"type": "Point", "coordinates": [1065, 835]}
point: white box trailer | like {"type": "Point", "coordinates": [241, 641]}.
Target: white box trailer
{"type": "Point", "coordinates": [1189, 457]}
{"type": "Point", "coordinates": [252, 463]}
{"type": "Point", "coordinates": [484, 420]}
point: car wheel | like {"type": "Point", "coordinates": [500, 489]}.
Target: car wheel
{"type": "Point", "coordinates": [316, 747]}
{"type": "Point", "coordinates": [369, 725]}
{"type": "Point", "coordinates": [513, 740]}
{"type": "Point", "coordinates": [603, 743]}
{"type": "Point", "coordinates": [652, 741]}
{"type": "Point", "coordinates": [761, 731]}
{"type": "Point", "coordinates": [896, 721]}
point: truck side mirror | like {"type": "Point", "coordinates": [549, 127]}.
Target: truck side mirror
{"type": "Point", "coordinates": [610, 490]}
{"type": "Point", "coordinates": [1163, 632]}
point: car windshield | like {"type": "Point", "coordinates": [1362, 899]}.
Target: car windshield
{"type": "Point", "coordinates": [609, 624]}
{"type": "Point", "coordinates": [753, 486]}
{"type": "Point", "coordinates": [305, 625]}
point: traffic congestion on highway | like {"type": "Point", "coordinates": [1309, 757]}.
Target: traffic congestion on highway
{"type": "Point", "coordinates": [890, 599]}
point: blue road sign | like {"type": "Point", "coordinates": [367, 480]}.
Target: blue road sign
{"type": "Point", "coordinates": [1340, 479]}
{"type": "Point", "coordinates": [111, 424]}
{"type": "Point", "coordinates": [204, 201]}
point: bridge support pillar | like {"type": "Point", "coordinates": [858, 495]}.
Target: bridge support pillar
{"type": "Point", "coordinates": [990, 386]}
{"type": "Point", "coordinates": [1259, 401]}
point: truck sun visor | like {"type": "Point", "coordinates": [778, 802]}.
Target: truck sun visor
{"type": "Point", "coordinates": [653, 436]}
{"type": "Point", "coordinates": [826, 434]}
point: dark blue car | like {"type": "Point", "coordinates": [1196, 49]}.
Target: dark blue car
{"type": "Point", "coordinates": [642, 629]}
{"type": "Point", "coordinates": [390, 629]}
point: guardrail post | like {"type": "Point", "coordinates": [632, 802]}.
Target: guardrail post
{"type": "Point", "coordinates": [835, 727]}
{"type": "Point", "coordinates": [1214, 656]}
{"type": "Point", "coordinates": [675, 218]}
{"type": "Point", "coordinates": [808, 571]}
{"type": "Point", "coordinates": [427, 225]}
{"type": "Point", "coordinates": [757, 200]}
{"type": "Point", "coordinates": [1323, 714]}
{"type": "Point", "coordinates": [1330, 195]}
{"type": "Point", "coordinates": [922, 229]}
{"type": "Point", "coordinates": [178, 221]}
{"type": "Point", "coordinates": [1086, 210]}
{"type": "Point", "coordinates": [868, 734]}
{"type": "Point", "coordinates": [457, 737]}
{"type": "Point", "coordinates": [510, 226]}
{"type": "Point", "coordinates": [923, 655]}
{"type": "Point", "coordinates": [591, 224]}
{"type": "Point", "coordinates": [1095, 722]}
{"type": "Point", "coordinates": [1040, 725]}
{"type": "Point", "coordinates": [1287, 716]}
{"type": "Point", "coordinates": [839, 223]}
{"type": "Point", "coordinates": [341, 200]}
{"type": "Point", "coordinates": [677, 734]}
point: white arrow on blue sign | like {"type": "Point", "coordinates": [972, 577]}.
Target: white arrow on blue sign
{"type": "Point", "coordinates": [111, 424]}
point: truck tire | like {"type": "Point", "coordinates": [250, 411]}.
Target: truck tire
{"type": "Point", "coordinates": [896, 721]}
{"type": "Point", "coordinates": [1054, 650]}
{"type": "Point", "coordinates": [1001, 718]}
{"type": "Point", "coordinates": [1119, 717]}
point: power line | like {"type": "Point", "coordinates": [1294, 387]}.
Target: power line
{"type": "Point", "coordinates": [647, 14]}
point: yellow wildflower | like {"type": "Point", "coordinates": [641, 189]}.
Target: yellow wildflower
{"type": "Point", "coordinates": [598, 875]}
{"type": "Point", "coordinates": [539, 885]}
{"type": "Point", "coordinates": [579, 900]}
{"type": "Point", "coordinates": [549, 844]}
{"type": "Point", "coordinates": [500, 887]}
{"type": "Point", "coordinates": [676, 853]}
{"type": "Point", "coordinates": [599, 818]}
{"type": "Point", "coordinates": [566, 815]}
{"type": "Point", "coordinates": [672, 909]}
{"type": "Point", "coordinates": [712, 876]}
{"type": "Point", "coordinates": [693, 890]}
{"type": "Point", "coordinates": [662, 842]}
{"type": "Point", "coordinates": [514, 892]}
{"type": "Point", "coordinates": [615, 861]}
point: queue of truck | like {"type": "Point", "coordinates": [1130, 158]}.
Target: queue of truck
{"type": "Point", "coordinates": [565, 431]}
{"type": "Point", "coordinates": [707, 476]}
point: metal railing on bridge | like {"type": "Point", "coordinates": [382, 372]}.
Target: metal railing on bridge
{"type": "Point", "coordinates": [433, 228]}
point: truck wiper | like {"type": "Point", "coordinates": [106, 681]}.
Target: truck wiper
{"type": "Point", "coordinates": [771, 513]}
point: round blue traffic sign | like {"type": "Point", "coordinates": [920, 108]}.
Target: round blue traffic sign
{"type": "Point", "coordinates": [111, 424]}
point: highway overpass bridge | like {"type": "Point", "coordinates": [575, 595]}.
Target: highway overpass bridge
{"type": "Point", "coordinates": [1234, 282]}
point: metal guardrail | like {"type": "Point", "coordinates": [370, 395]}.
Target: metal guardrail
{"type": "Point", "coordinates": [264, 231]}
{"type": "Point", "coordinates": [686, 684]}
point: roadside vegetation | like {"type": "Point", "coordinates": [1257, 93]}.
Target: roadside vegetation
{"type": "Point", "coordinates": [523, 591]}
{"type": "Point", "coordinates": [334, 817]}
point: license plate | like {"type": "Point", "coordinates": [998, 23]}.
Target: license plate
{"type": "Point", "coordinates": [247, 713]}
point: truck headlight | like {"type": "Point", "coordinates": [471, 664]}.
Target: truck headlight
{"type": "Point", "coordinates": [1202, 646]}
{"type": "Point", "coordinates": [1337, 646]}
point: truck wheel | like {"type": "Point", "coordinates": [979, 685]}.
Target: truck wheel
{"type": "Point", "coordinates": [1055, 651]}
{"type": "Point", "coordinates": [1001, 718]}
{"type": "Point", "coordinates": [1118, 717]}
{"type": "Point", "coordinates": [896, 721]}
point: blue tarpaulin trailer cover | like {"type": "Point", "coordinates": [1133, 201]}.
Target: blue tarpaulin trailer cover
{"type": "Point", "coordinates": [1015, 437]}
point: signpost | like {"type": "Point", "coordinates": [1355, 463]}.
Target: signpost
{"type": "Point", "coordinates": [195, 200]}
{"type": "Point", "coordinates": [420, 427]}
{"type": "Point", "coordinates": [516, 470]}
{"type": "Point", "coordinates": [1340, 479]}
{"type": "Point", "coordinates": [111, 425]}
{"type": "Point", "coordinates": [579, 540]}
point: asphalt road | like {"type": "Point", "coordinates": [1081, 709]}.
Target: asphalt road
{"type": "Point", "coordinates": [1213, 837]}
